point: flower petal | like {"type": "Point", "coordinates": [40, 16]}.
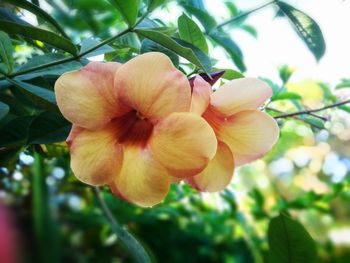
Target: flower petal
{"type": "Point", "coordinates": [96, 157]}
{"type": "Point", "coordinates": [151, 85]}
{"type": "Point", "coordinates": [184, 143]}
{"type": "Point", "coordinates": [201, 92]}
{"type": "Point", "coordinates": [86, 97]}
{"type": "Point", "coordinates": [249, 134]}
{"type": "Point", "coordinates": [240, 94]}
{"type": "Point", "coordinates": [142, 180]}
{"type": "Point", "coordinates": [218, 174]}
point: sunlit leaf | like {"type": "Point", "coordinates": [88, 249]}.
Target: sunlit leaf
{"type": "Point", "coordinates": [231, 74]}
{"type": "Point", "coordinates": [190, 32]}
{"type": "Point", "coordinates": [153, 4]}
{"type": "Point", "coordinates": [38, 12]}
{"type": "Point", "coordinates": [128, 9]}
{"type": "Point", "coordinates": [289, 242]}
{"type": "Point", "coordinates": [286, 96]}
{"type": "Point", "coordinates": [307, 29]}
{"type": "Point", "coordinates": [38, 34]}
{"type": "Point", "coordinates": [202, 61]}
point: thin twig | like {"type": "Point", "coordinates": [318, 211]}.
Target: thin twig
{"type": "Point", "coordinates": [244, 14]}
{"type": "Point", "coordinates": [292, 114]}
{"type": "Point", "coordinates": [131, 243]}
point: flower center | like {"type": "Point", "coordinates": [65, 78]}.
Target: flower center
{"type": "Point", "coordinates": [133, 129]}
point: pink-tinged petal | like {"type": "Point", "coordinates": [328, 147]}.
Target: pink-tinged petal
{"type": "Point", "coordinates": [201, 92]}
{"type": "Point", "coordinates": [96, 157]}
{"type": "Point", "coordinates": [151, 85]}
{"type": "Point", "coordinates": [87, 97]}
{"type": "Point", "coordinates": [249, 134]}
{"type": "Point", "coordinates": [240, 94]}
{"type": "Point", "coordinates": [184, 143]}
{"type": "Point", "coordinates": [142, 180]}
{"type": "Point", "coordinates": [218, 174]}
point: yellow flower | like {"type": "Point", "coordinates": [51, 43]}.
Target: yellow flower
{"type": "Point", "coordinates": [243, 132]}
{"type": "Point", "coordinates": [132, 127]}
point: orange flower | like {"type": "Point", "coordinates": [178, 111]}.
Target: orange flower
{"type": "Point", "coordinates": [132, 127]}
{"type": "Point", "coordinates": [244, 133]}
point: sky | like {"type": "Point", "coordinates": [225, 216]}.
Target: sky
{"type": "Point", "coordinates": [278, 44]}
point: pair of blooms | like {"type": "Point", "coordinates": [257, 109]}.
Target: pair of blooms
{"type": "Point", "coordinates": [140, 126]}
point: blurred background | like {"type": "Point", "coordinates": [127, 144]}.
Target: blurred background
{"type": "Point", "coordinates": [52, 217]}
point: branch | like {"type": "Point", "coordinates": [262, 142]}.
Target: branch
{"type": "Point", "coordinates": [135, 248]}
{"type": "Point", "coordinates": [311, 111]}
{"type": "Point", "coordinates": [233, 19]}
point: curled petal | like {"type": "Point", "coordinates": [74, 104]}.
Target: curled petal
{"type": "Point", "coordinates": [184, 143]}
{"type": "Point", "coordinates": [218, 174]}
{"type": "Point", "coordinates": [87, 97]}
{"type": "Point", "coordinates": [240, 94]}
{"type": "Point", "coordinates": [151, 85]}
{"type": "Point", "coordinates": [249, 134]}
{"type": "Point", "coordinates": [200, 95]}
{"type": "Point", "coordinates": [96, 157]}
{"type": "Point", "coordinates": [142, 180]}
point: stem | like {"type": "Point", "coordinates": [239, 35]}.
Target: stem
{"type": "Point", "coordinates": [244, 14]}
{"type": "Point", "coordinates": [136, 250]}
{"type": "Point", "coordinates": [292, 114]}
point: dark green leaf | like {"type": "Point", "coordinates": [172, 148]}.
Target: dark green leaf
{"type": "Point", "coordinates": [307, 29]}
{"type": "Point", "coordinates": [14, 133]}
{"type": "Point", "coordinates": [190, 32]}
{"type": "Point", "coordinates": [231, 48]}
{"type": "Point", "coordinates": [38, 34]}
{"type": "Point", "coordinates": [289, 242]}
{"type": "Point", "coordinates": [128, 9]}
{"type": "Point", "coordinates": [48, 127]}
{"type": "Point", "coordinates": [285, 73]}
{"type": "Point", "coordinates": [4, 109]}
{"type": "Point", "coordinates": [180, 49]}
{"type": "Point", "coordinates": [38, 12]}
{"type": "Point", "coordinates": [345, 108]}
{"type": "Point", "coordinates": [150, 46]}
{"type": "Point", "coordinates": [286, 96]}
{"type": "Point", "coordinates": [41, 96]}
{"type": "Point", "coordinates": [207, 21]}
{"type": "Point", "coordinates": [6, 51]}
{"type": "Point", "coordinates": [91, 42]}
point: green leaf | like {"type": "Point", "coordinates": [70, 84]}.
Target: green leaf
{"type": "Point", "coordinates": [207, 21]}
{"type": "Point", "coordinates": [128, 9]}
{"type": "Point", "coordinates": [231, 48]}
{"type": "Point", "coordinates": [153, 4]}
{"type": "Point", "coordinates": [193, 54]}
{"type": "Point", "coordinates": [6, 51]}
{"type": "Point", "coordinates": [48, 127]}
{"type": "Point", "coordinates": [345, 108]}
{"type": "Point", "coordinates": [41, 96]}
{"type": "Point", "coordinates": [285, 73]}
{"type": "Point", "coordinates": [289, 242]}
{"type": "Point", "coordinates": [91, 42]}
{"type": "Point", "coordinates": [286, 96]}
{"type": "Point", "coordinates": [38, 12]}
{"type": "Point", "coordinates": [4, 109]}
{"type": "Point", "coordinates": [38, 34]}
{"type": "Point", "coordinates": [151, 46]}
{"type": "Point", "coordinates": [14, 133]}
{"type": "Point", "coordinates": [344, 84]}
{"type": "Point", "coordinates": [314, 122]}
{"type": "Point", "coordinates": [307, 29]}
{"type": "Point", "coordinates": [190, 32]}
{"type": "Point", "coordinates": [231, 74]}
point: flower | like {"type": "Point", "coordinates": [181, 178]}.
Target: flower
{"type": "Point", "coordinates": [243, 132]}
{"type": "Point", "coordinates": [132, 127]}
